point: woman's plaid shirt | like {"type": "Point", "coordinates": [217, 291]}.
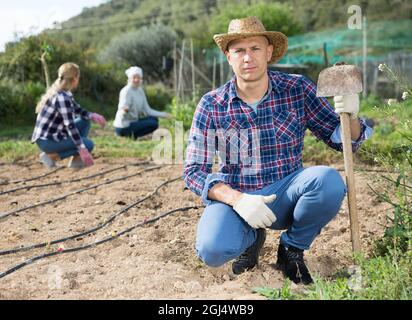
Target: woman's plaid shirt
{"type": "Point", "coordinates": [56, 119]}
{"type": "Point", "coordinates": [257, 149]}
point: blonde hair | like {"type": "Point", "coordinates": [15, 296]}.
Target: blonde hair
{"type": "Point", "coordinates": [64, 82]}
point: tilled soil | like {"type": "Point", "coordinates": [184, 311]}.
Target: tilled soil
{"type": "Point", "coordinates": [155, 261]}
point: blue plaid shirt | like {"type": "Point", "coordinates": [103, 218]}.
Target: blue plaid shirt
{"type": "Point", "coordinates": [56, 119]}
{"type": "Point", "coordinates": [256, 149]}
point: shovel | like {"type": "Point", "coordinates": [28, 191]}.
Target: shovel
{"type": "Point", "coordinates": [340, 80]}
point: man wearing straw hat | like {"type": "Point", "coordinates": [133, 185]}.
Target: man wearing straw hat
{"type": "Point", "coordinates": [256, 123]}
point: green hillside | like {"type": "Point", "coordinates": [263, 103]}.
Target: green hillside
{"type": "Point", "coordinates": [94, 27]}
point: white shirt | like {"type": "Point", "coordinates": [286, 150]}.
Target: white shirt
{"type": "Point", "coordinates": [134, 99]}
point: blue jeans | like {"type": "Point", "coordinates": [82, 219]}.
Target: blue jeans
{"type": "Point", "coordinates": [139, 128]}
{"type": "Point", "coordinates": [306, 201]}
{"type": "Point", "coordinates": [66, 148]}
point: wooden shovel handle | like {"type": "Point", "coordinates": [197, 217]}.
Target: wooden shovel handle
{"type": "Point", "coordinates": [350, 181]}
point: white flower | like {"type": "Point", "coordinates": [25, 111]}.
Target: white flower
{"type": "Point", "coordinates": [382, 67]}
{"type": "Point", "coordinates": [405, 95]}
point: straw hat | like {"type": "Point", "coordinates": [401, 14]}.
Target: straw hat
{"type": "Point", "coordinates": [251, 27]}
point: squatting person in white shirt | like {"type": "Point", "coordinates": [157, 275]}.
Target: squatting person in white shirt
{"type": "Point", "coordinates": [134, 117]}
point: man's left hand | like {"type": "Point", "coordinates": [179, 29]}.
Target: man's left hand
{"type": "Point", "coordinates": [347, 104]}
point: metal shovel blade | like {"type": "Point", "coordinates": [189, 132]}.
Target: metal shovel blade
{"type": "Point", "coordinates": [339, 80]}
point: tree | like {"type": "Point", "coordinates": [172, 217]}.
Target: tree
{"type": "Point", "coordinates": [274, 16]}
{"type": "Point", "coordinates": [145, 47]}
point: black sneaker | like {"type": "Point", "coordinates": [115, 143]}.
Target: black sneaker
{"type": "Point", "coordinates": [290, 261]}
{"type": "Point", "coordinates": [250, 258]}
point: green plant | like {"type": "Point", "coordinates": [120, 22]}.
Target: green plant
{"type": "Point", "coordinates": [398, 235]}
{"type": "Point", "coordinates": [380, 278]}
{"type": "Point", "coordinates": [318, 152]}
{"type": "Point", "coordinates": [390, 141]}
{"type": "Point", "coordinates": [397, 239]}
{"type": "Point", "coordinates": [329, 290]}
{"type": "Point", "coordinates": [158, 96]}
{"type": "Point", "coordinates": [183, 112]}
{"type": "Point", "coordinates": [18, 100]}
{"type": "Point", "coordinates": [283, 293]}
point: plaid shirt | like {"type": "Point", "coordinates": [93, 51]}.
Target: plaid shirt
{"type": "Point", "coordinates": [269, 142]}
{"type": "Point", "coordinates": [56, 119]}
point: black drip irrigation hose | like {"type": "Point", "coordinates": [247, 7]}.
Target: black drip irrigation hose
{"type": "Point", "coordinates": [33, 178]}
{"type": "Point", "coordinates": [7, 214]}
{"type": "Point", "coordinates": [72, 180]}
{"type": "Point", "coordinates": [91, 230]}
{"type": "Point", "coordinates": [94, 244]}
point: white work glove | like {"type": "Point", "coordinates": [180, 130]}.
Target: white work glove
{"type": "Point", "coordinates": [253, 209]}
{"type": "Point", "coordinates": [347, 104]}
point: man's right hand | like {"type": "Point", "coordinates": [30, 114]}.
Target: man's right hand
{"type": "Point", "coordinates": [253, 209]}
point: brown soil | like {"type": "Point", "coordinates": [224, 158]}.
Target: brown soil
{"type": "Point", "coordinates": [156, 261]}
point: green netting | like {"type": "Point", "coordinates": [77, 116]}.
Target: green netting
{"type": "Point", "coordinates": [383, 37]}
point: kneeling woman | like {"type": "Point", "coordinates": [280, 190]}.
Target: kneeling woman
{"type": "Point", "coordinates": [134, 117]}
{"type": "Point", "coordinates": [62, 126]}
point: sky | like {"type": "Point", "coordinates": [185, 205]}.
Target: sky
{"type": "Point", "coordinates": [27, 17]}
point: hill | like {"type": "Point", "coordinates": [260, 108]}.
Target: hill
{"type": "Point", "coordinates": [94, 27]}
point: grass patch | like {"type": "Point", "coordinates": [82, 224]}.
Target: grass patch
{"type": "Point", "coordinates": [112, 146]}
{"type": "Point", "coordinates": [317, 152]}
{"type": "Point", "coordinates": [8, 132]}
{"type": "Point", "coordinates": [15, 144]}
{"type": "Point", "coordinates": [13, 150]}
{"type": "Point", "coordinates": [284, 293]}
{"type": "Point", "coordinates": [382, 278]}
{"type": "Point", "coordinates": [386, 139]}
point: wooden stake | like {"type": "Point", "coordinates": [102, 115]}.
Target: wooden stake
{"type": "Point", "coordinates": [180, 89]}
{"type": "Point", "coordinates": [192, 60]}
{"type": "Point", "coordinates": [46, 69]}
{"type": "Point", "coordinates": [221, 73]}
{"type": "Point", "coordinates": [214, 74]}
{"type": "Point", "coordinates": [175, 69]}
{"type": "Point", "coordinates": [364, 54]}
{"type": "Point", "coordinates": [350, 181]}
{"type": "Point", "coordinates": [199, 73]}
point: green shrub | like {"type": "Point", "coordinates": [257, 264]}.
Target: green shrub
{"type": "Point", "coordinates": [389, 141]}
{"type": "Point", "coordinates": [183, 112]}
{"type": "Point", "coordinates": [18, 101]}
{"type": "Point", "coordinates": [274, 16]}
{"type": "Point", "coordinates": [145, 47]}
{"type": "Point", "coordinates": [158, 96]}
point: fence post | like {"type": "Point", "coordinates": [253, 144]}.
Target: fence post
{"type": "Point", "coordinates": [180, 89]}
{"type": "Point", "coordinates": [221, 72]}
{"type": "Point", "coordinates": [175, 70]}
{"type": "Point", "coordinates": [193, 70]}
{"type": "Point", "coordinates": [214, 74]}
{"type": "Point", "coordinates": [365, 52]}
